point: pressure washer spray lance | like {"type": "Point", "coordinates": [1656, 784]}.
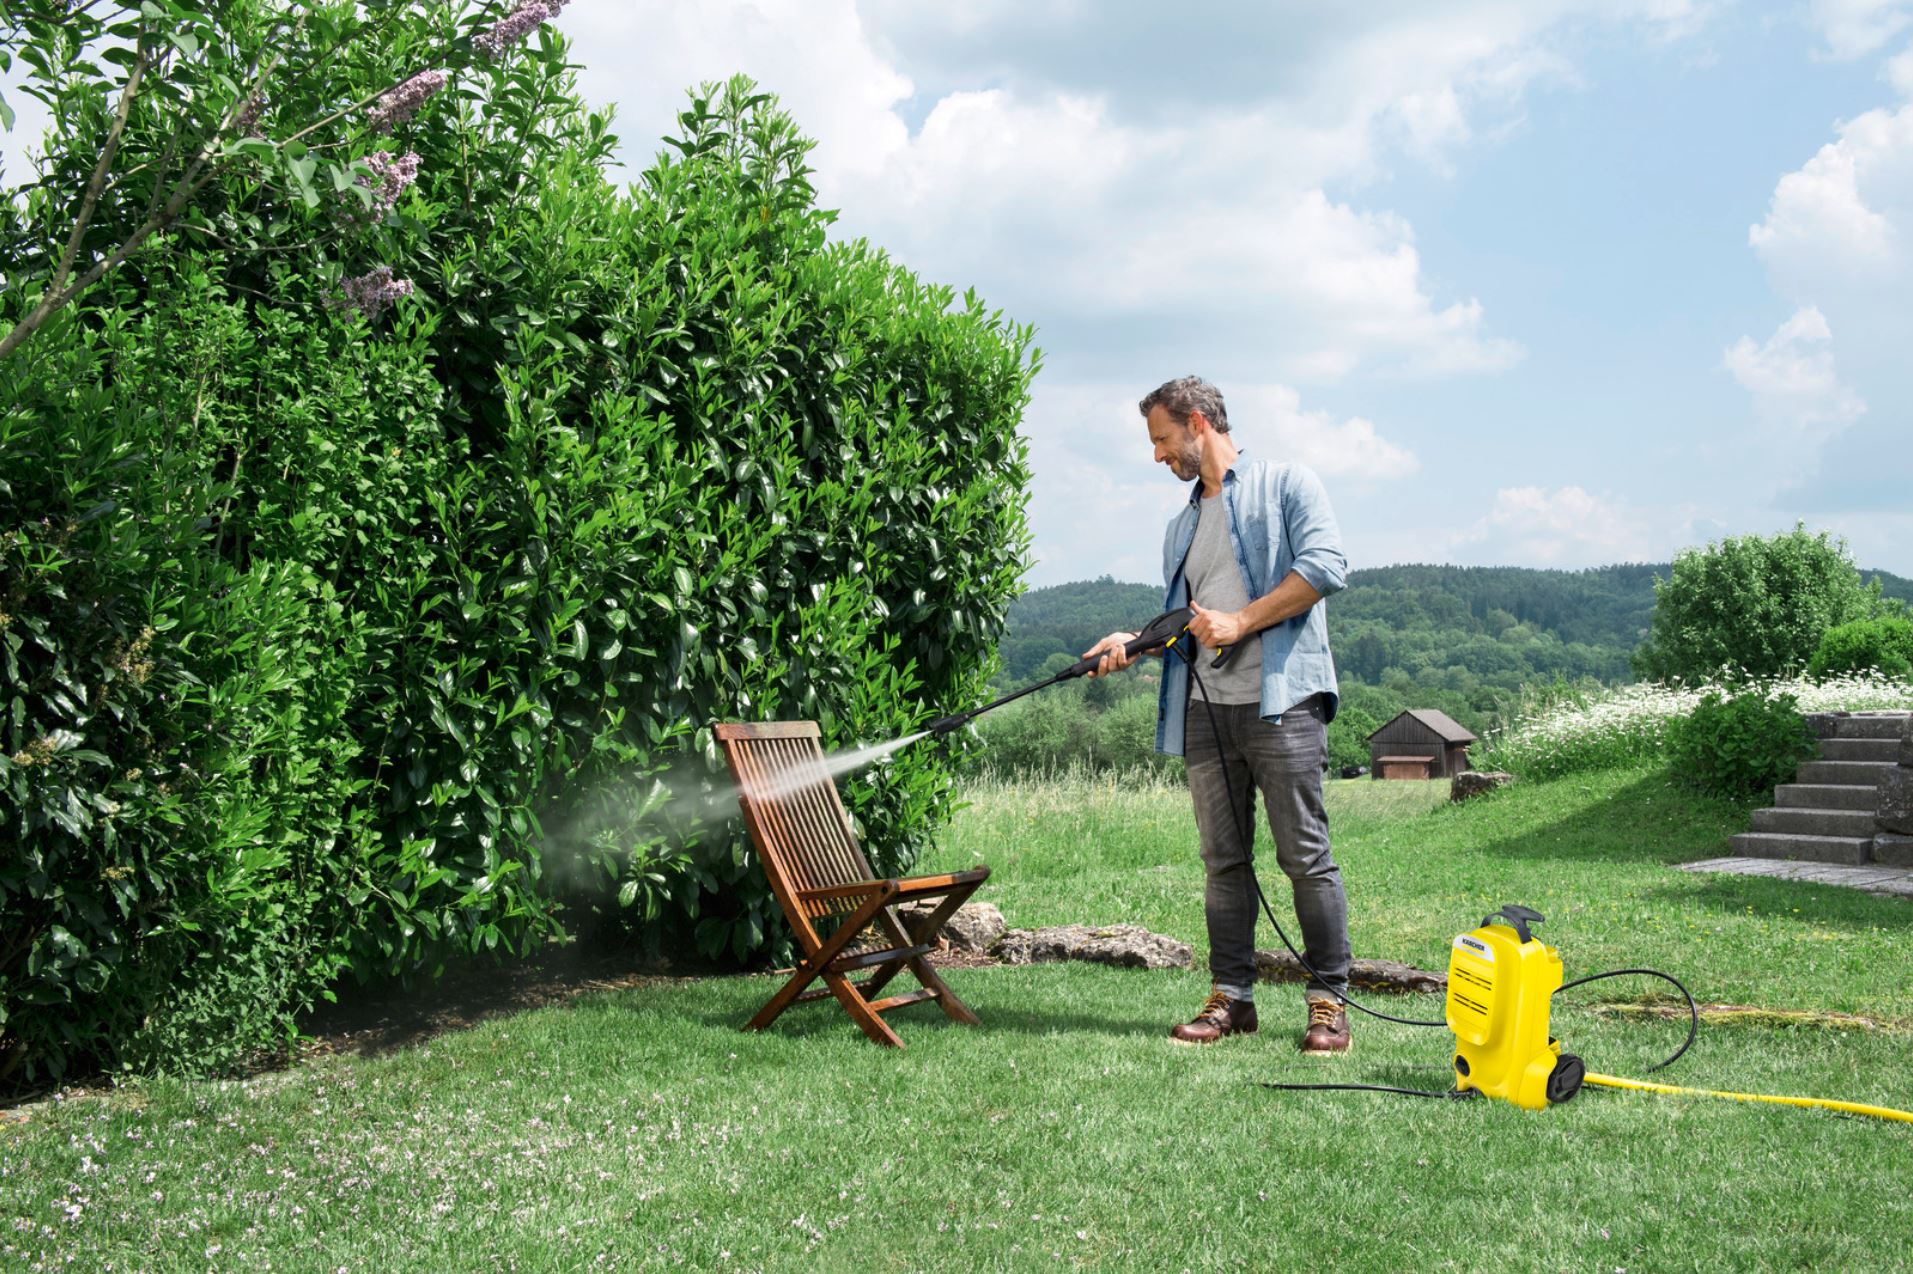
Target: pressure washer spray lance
{"type": "Point", "coordinates": [1501, 979]}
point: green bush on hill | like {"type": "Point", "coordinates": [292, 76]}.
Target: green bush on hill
{"type": "Point", "coordinates": [340, 643]}
{"type": "Point", "coordinates": [1740, 746]}
{"type": "Point", "coordinates": [1752, 607]}
{"type": "Point", "coordinates": [1883, 645]}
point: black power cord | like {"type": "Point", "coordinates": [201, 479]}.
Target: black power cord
{"type": "Point", "coordinates": [1248, 850]}
{"type": "Point", "coordinates": [1693, 1010]}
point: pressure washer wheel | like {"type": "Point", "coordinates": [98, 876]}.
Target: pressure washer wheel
{"type": "Point", "coordinates": [1565, 1081]}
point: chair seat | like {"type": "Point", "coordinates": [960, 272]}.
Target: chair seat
{"type": "Point", "coordinates": [902, 887]}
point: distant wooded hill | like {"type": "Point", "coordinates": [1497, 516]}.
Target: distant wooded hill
{"type": "Point", "coordinates": [1476, 632]}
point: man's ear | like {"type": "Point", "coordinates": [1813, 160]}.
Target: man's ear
{"type": "Point", "coordinates": [1196, 416]}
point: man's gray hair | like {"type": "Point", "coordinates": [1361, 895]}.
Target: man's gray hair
{"type": "Point", "coordinates": [1184, 396]}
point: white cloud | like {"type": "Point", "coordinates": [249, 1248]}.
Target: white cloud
{"type": "Point", "coordinates": [1030, 151]}
{"type": "Point", "coordinates": [1792, 376]}
{"type": "Point", "coordinates": [1899, 72]}
{"type": "Point", "coordinates": [1855, 28]}
{"type": "Point", "coordinates": [1838, 243]}
{"type": "Point", "coordinates": [1847, 207]}
{"type": "Point", "coordinates": [1565, 527]}
{"type": "Point", "coordinates": [817, 56]}
{"type": "Point", "coordinates": [29, 126]}
{"type": "Point", "coordinates": [1847, 211]}
{"type": "Point", "coordinates": [1270, 418]}
{"type": "Point", "coordinates": [1056, 204]}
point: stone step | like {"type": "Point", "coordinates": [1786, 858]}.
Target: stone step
{"type": "Point", "coordinates": [1861, 750]}
{"type": "Point", "coordinates": [1815, 822]}
{"type": "Point", "coordinates": [1826, 796]}
{"type": "Point", "coordinates": [1852, 773]}
{"type": "Point", "coordinates": [1870, 725]}
{"type": "Point", "coordinates": [1851, 850]}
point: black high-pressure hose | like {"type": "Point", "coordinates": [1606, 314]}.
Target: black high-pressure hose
{"type": "Point", "coordinates": [1248, 834]}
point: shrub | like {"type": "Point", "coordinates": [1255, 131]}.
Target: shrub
{"type": "Point", "coordinates": [177, 771]}
{"type": "Point", "coordinates": [1883, 645]}
{"type": "Point", "coordinates": [333, 647]}
{"type": "Point", "coordinates": [1741, 745]}
{"type": "Point", "coordinates": [1751, 607]}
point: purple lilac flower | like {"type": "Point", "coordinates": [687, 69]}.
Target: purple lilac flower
{"type": "Point", "coordinates": [246, 122]}
{"type": "Point", "coordinates": [373, 292]}
{"type": "Point", "coordinates": [516, 25]}
{"type": "Point", "coordinates": [391, 174]}
{"type": "Point", "coordinates": [397, 105]}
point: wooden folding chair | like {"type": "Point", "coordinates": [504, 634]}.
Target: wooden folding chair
{"type": "Point", "coordinates": [818, 872]}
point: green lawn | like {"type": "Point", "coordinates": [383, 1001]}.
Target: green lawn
{"type": "Point", "coordinates": [641, 1128]}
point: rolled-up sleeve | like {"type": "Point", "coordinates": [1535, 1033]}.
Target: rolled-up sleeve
{"type": "Point", "coordinates": [1314, 538]}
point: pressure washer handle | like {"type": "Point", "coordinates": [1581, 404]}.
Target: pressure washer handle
{"type": "Point", "coordinates": [1161, 631]}
{"type": "Point", "coordinates": [1156, 634]}
{"type": "Point", "coordinates": [1518, 918]}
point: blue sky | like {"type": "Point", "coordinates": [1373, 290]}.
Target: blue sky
{"type": "Point", "coordinates": [1538, 282]}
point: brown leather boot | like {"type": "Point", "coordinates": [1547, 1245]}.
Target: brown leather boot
{"type": "Point", "coordinates": [1327, 1030]}
{"type": "Point", "coordinates": [1219, 1016]}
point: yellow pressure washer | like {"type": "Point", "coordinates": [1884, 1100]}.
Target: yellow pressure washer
{"type": "Point", "coordinates": [1500, 980]}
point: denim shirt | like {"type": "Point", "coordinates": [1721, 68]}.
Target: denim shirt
{"type": "Point", "coordinates": [1279, 521]}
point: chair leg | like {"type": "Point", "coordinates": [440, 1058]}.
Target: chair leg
{"type": "Point", "coordinates": [957, 1010]}
{"type": "Point", "coordinates": [925, 973]}
{"type": "Point", "coordinates": [860, 1011]}
{"type": "Point", "coordinates": [786, 995]}
{"type": "Point", "coordinates": [816, 962]}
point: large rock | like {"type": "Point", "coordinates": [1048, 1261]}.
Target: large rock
{"type": "Point", "coordinates": [1366, 975]}
{"type": "Point", "coordinates": [975, 927]}
{"type": "Point", "coordinates": [1474, 782]}
{"type": "Point", "coordinates": [1895, 811]}
{"type": "Point", "coordinates": [1890, 850]}
{"type": "Point", "coordinates": [1906, 743]}
{"type": "Point", "coordinates": [1126, 946]}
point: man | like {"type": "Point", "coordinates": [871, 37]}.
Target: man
{"type": "Point", "coordinates": [1252, 554]}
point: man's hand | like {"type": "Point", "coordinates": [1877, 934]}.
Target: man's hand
{"type": "Point", "coordinates": [1114, 658]}
{"type": "Point", "coordinates": [1216, 629]}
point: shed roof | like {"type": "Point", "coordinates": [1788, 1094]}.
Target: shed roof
{"type": "Point", "coordinates": [1449, 729]}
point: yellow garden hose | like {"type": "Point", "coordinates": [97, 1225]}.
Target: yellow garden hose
{"type": "Point", "coordinates": [1825, 1103]}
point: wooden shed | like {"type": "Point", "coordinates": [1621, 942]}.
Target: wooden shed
{"type": "Point", "coordinates": [1419, 744]}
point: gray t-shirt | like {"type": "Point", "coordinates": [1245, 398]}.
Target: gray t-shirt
{"type": "Point", "coordinates": [1215, 583]}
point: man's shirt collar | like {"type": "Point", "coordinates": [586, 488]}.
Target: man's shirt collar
{"type": "Point", "coordinates": [1195, 488]}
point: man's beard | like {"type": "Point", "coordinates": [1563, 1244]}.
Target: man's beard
{"type": "Point", "coordinates": [1187, 463]}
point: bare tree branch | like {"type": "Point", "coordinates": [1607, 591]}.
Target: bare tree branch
{"type": "Point", "coordinates": [92, 197]}
{"type": "Point", "coordinates": [197, 175]}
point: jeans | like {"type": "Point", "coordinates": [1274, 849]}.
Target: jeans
{"type": "Point", "coordinates": [1284, 762]}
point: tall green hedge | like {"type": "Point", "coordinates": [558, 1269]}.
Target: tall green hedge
{"type": "Point", "coordinates": [336, 647]}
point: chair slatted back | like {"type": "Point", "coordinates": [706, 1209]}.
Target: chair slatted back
{"type": "Point", "coordinates": [791, 804]}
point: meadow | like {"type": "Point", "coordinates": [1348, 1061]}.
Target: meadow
{"type": "Point", "coordinates": [640, 1128]}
